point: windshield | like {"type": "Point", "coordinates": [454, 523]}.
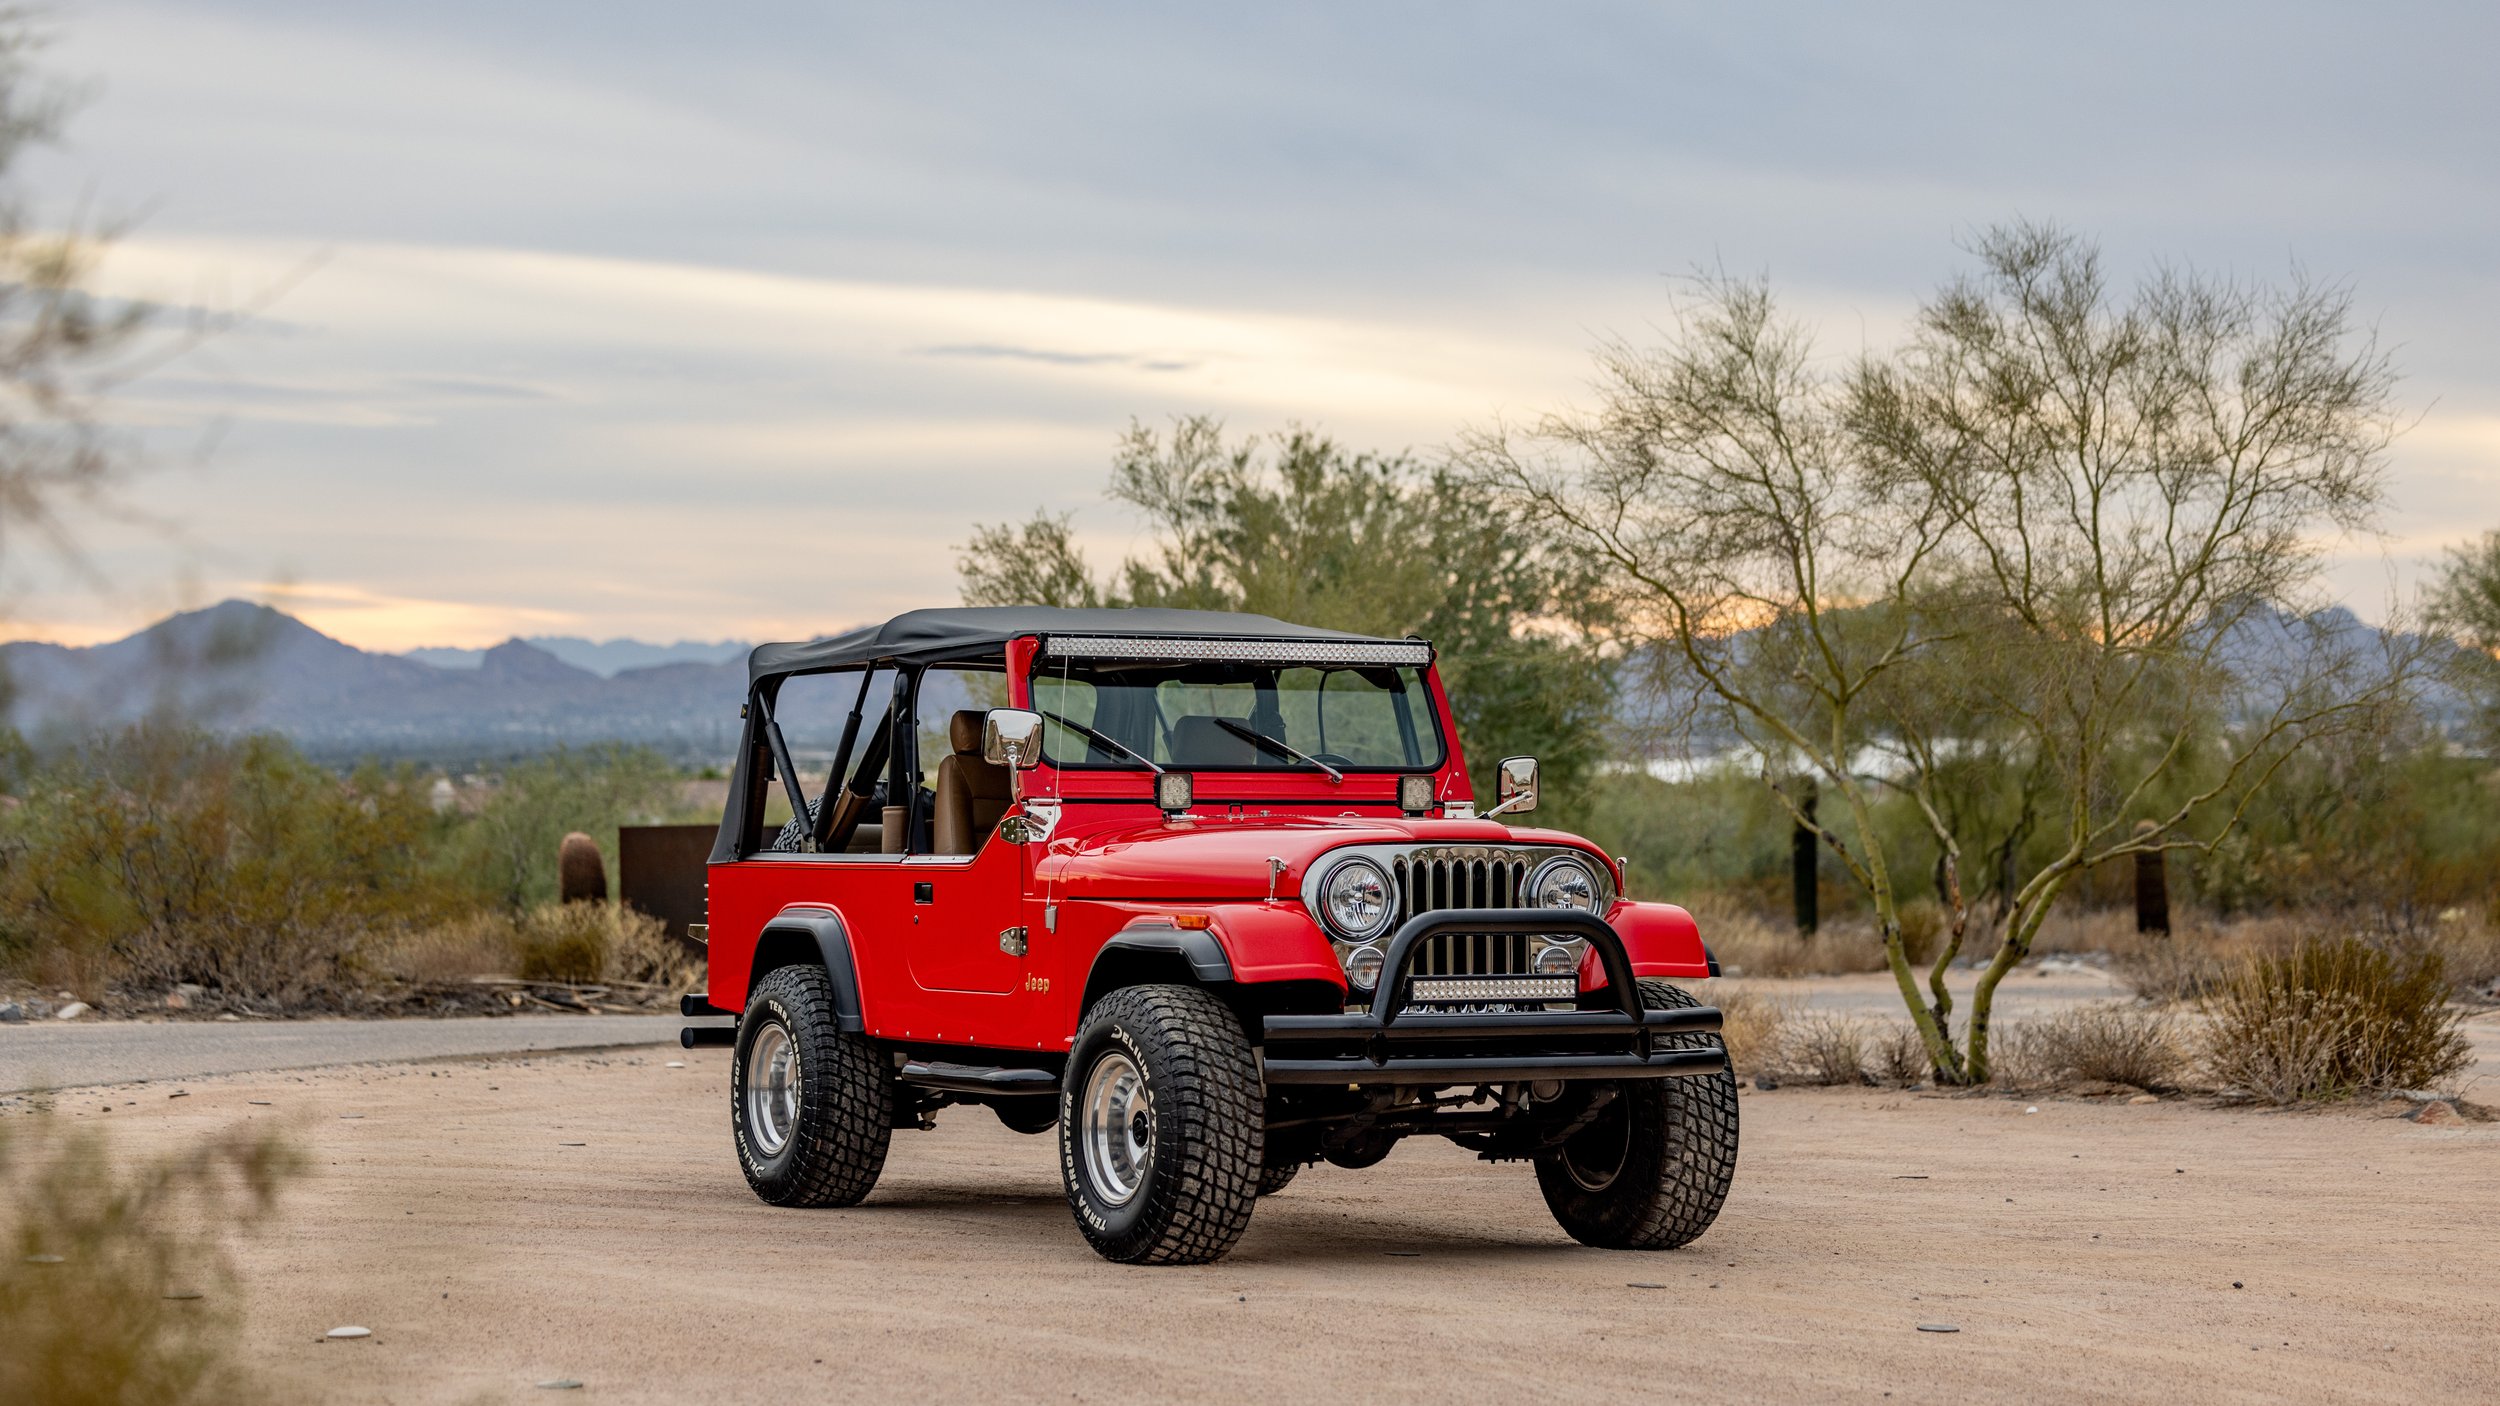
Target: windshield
{"type": "Point", "coordinates": [1212, 716]}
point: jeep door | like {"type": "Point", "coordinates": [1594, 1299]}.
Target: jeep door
{"type": "Point", "coordinates": [966, 886]}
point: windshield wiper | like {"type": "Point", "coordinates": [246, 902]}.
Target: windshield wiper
{"type": "Point", "coordinates": [1115, 744]}
{"type": "Point", "coordinates": [1335, 776]}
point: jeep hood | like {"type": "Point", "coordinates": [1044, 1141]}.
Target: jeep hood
{"type": "Point", "coordinates": [1223, 859]}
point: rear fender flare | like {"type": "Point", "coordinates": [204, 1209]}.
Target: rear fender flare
{"type": "Point", "coordinates": [801, 934]}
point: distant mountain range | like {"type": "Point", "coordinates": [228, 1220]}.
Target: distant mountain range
{"type": "Point", "coordinates": [240, 667]}
{"type": "Point", "coordinates": [606, 658]}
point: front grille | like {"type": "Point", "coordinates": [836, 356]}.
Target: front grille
{"type": "Point", "coordinates": [1473, 954]}
{"type": "Point", "coordinates": [1428, 881]}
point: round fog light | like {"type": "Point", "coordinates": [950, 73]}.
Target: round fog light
{"type": "Point", "coordinates": [1557, 961]}
{"type": "Point", "coordinates": [1362, 967]}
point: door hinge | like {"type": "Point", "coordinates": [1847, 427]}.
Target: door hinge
{"type": "Point", "coordinates": [1011, 942]}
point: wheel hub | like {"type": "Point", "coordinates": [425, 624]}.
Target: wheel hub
{"type": "Point", "coordinates": [772, 1089]}
{"type": "Point", "coordinates": [1117, 1128]}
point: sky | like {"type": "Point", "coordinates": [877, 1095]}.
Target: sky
{"type": "Point", "coordinates": [613, 319]}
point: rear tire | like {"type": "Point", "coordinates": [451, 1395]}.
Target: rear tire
{"type": "Point", "coordinates": [811, 1107]}
{"type": "Point", "coordinates": [1161, 1134]}
{"type": "Point", "coordinates": [1653, 1170]}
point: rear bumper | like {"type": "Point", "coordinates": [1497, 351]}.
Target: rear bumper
{"type": "Point", "coordinates": [1389, 1044]}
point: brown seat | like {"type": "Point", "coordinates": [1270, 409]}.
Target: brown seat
{"type": "Point", "coordinates": [1199, 740]}
{"type": "Point", "coordinates": [971, 793]}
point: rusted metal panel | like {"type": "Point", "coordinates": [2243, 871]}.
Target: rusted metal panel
{"type": "Point", "coordinates": [660, 870]}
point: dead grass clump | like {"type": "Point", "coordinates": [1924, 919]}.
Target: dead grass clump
{"type": "Point", "coordinates": [584, 943]}
{"type": "Point", "coordinates": [1750, 1023]}
{"type": "Point", "coordinates": [116, 1285]}
{"type": "Point", "coordinates": [2333, 1018]}
{"type": "Point", "coordinates": [1747, 944]}
{"type": "Point", "coordinates": [1824, 1049]}
{"type": "Point", "coordinates": [1922, 929]}
{"type": "Point", "coordinates": [2095, 1044]}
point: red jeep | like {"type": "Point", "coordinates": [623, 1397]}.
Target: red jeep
{"type": "Point", "coordinates": [1209, 895]}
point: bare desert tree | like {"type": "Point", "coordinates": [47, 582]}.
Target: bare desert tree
{"type": "Point", "coordinates": [63, 346]}
{"type": "Point", "coordinates": [2078, 529]}
{"type": "Point", "coordinates": [1770, 575]}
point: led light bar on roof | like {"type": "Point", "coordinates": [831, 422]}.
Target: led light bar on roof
{"type": "Point", "coordinates": [1357, 652]}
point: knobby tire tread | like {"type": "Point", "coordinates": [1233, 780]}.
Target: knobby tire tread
{"type": "Point", "coordinates": [1699, 1158]}
{"type": "Point", "coordinates": [846, 1099]}
{"type": "Point", "coordinates": [1197, 1209]}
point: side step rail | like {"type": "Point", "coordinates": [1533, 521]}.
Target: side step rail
{"type": "Point", "coordinates": [977, 1078]}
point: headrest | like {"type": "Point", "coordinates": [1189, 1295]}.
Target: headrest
{"type": "Point", "coordinates": [963, 731]}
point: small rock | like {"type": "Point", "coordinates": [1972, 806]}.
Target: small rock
{"type": "Point", "coordinates": [176, 1001]}
{"type": "Point", "coordinates": [350, 1117]}
{"type": "Point", "coordinates": [2416, 1095]}
{"type": "Point", "coordinates": [559, 1384]}
{"type": "Point", "coordinates": [350, 1331]}
{"type": "Point", "coordinates": [43, 1259]}
{"type": "Point", "coordinates": [11, 1013]}
{"type": "Point", "coordinates": [71, 1011]}
{"type": "Point", "coordinates": [2032, 1109]}
{"type": "Point", "coordinates": [65, 995]}
{"type": "Point", "coordinates": [184, 1294]}
{"type": "Point", "coordinates": [179, 1093]}
{"type": "Point", "coordinates": [1405, 1254]}
{"type": "Point", "coordinates": [2145, 1098]}
{"type": "Point", "coordinates": [2236, 1284]}
{"type": "Point", "coordinates": [676, 1064]}
{"type": "Point", "coordinates": [1638, 1285]}
{"type": "Point", "coordinates": [1939, 1327]}
{"type": "Point", "coordinates": [257, 1102]}
{"type": "Point", "coordinates": [229, 1015]}
{"type": "Point", "coordinates": [2439, 1113]}
{"type": "Point", "coordinates": [1765, 1082]}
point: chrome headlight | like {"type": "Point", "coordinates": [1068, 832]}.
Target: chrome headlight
{"type": "Point", "coordinates": [1356, 895]}
{"type": "Point", "coordinates": [1563, 883]}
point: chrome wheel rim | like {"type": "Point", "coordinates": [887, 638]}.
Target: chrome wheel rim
{"type": "Point", "coordinates": [772, 1089]}
{"type": "Point", "coordinates": [1118, 1129]}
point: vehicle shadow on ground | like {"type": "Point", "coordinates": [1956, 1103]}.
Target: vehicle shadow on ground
{"type": "Point", "coordinates": [1282, 1232]}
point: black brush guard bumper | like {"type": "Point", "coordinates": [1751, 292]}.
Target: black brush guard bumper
{"type": "Point", "coordinates": [1390, 1044]}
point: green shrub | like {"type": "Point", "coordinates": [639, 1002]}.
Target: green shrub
{"type": "Point", "coordinates": [2333, 1018]}
{"type": "Point", "coordinates": [163, 855]}
{"type": "Point", "coordinates": [507, 851]}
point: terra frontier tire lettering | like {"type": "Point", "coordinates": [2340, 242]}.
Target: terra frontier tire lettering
{"type": "Point", "coordinates": [812, 1107]}
{"type": "Point", "coordinates": [1651, 1171]}
{"type": "Point", "coordinates": [1160, 1136]}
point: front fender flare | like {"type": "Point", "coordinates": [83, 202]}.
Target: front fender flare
{"type": "Point", "coordinates": [1195, 948]}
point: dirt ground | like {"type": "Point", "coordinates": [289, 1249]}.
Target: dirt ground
{"type": "Point", "coordinates": [502, 1223]}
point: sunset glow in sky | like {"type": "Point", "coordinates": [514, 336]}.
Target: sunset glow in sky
{"type": "Point", "coordinates": [703, 322]}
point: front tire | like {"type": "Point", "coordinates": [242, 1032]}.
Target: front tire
{"type": "Point", "coordinates": [1653, 1169]}
{"type": "Point", "coordinates": [812, 1107]}
{"type": "Point", "coordinates": [1161, 1134]}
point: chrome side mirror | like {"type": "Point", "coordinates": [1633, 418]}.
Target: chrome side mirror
{"type": "Point", "coordinates": [1515, 782]}
{"type": "Point", "coordinates": [1012, 738]}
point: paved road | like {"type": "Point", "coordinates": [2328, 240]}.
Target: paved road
{"type": "Point", "coordinates": [47, 1054]}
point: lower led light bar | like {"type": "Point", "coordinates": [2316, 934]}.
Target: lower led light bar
{"type": "Point", "coordinates": [1501, 988]}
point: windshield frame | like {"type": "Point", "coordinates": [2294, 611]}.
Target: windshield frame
{"type": "Point", "coordinates": [1432, 741]}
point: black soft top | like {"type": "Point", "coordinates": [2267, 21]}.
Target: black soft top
{"type": "Point", "coordinates": [962, 632]}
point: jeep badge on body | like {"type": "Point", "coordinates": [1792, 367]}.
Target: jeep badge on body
{"type": "Point", "coordinates": [1208, 895]}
